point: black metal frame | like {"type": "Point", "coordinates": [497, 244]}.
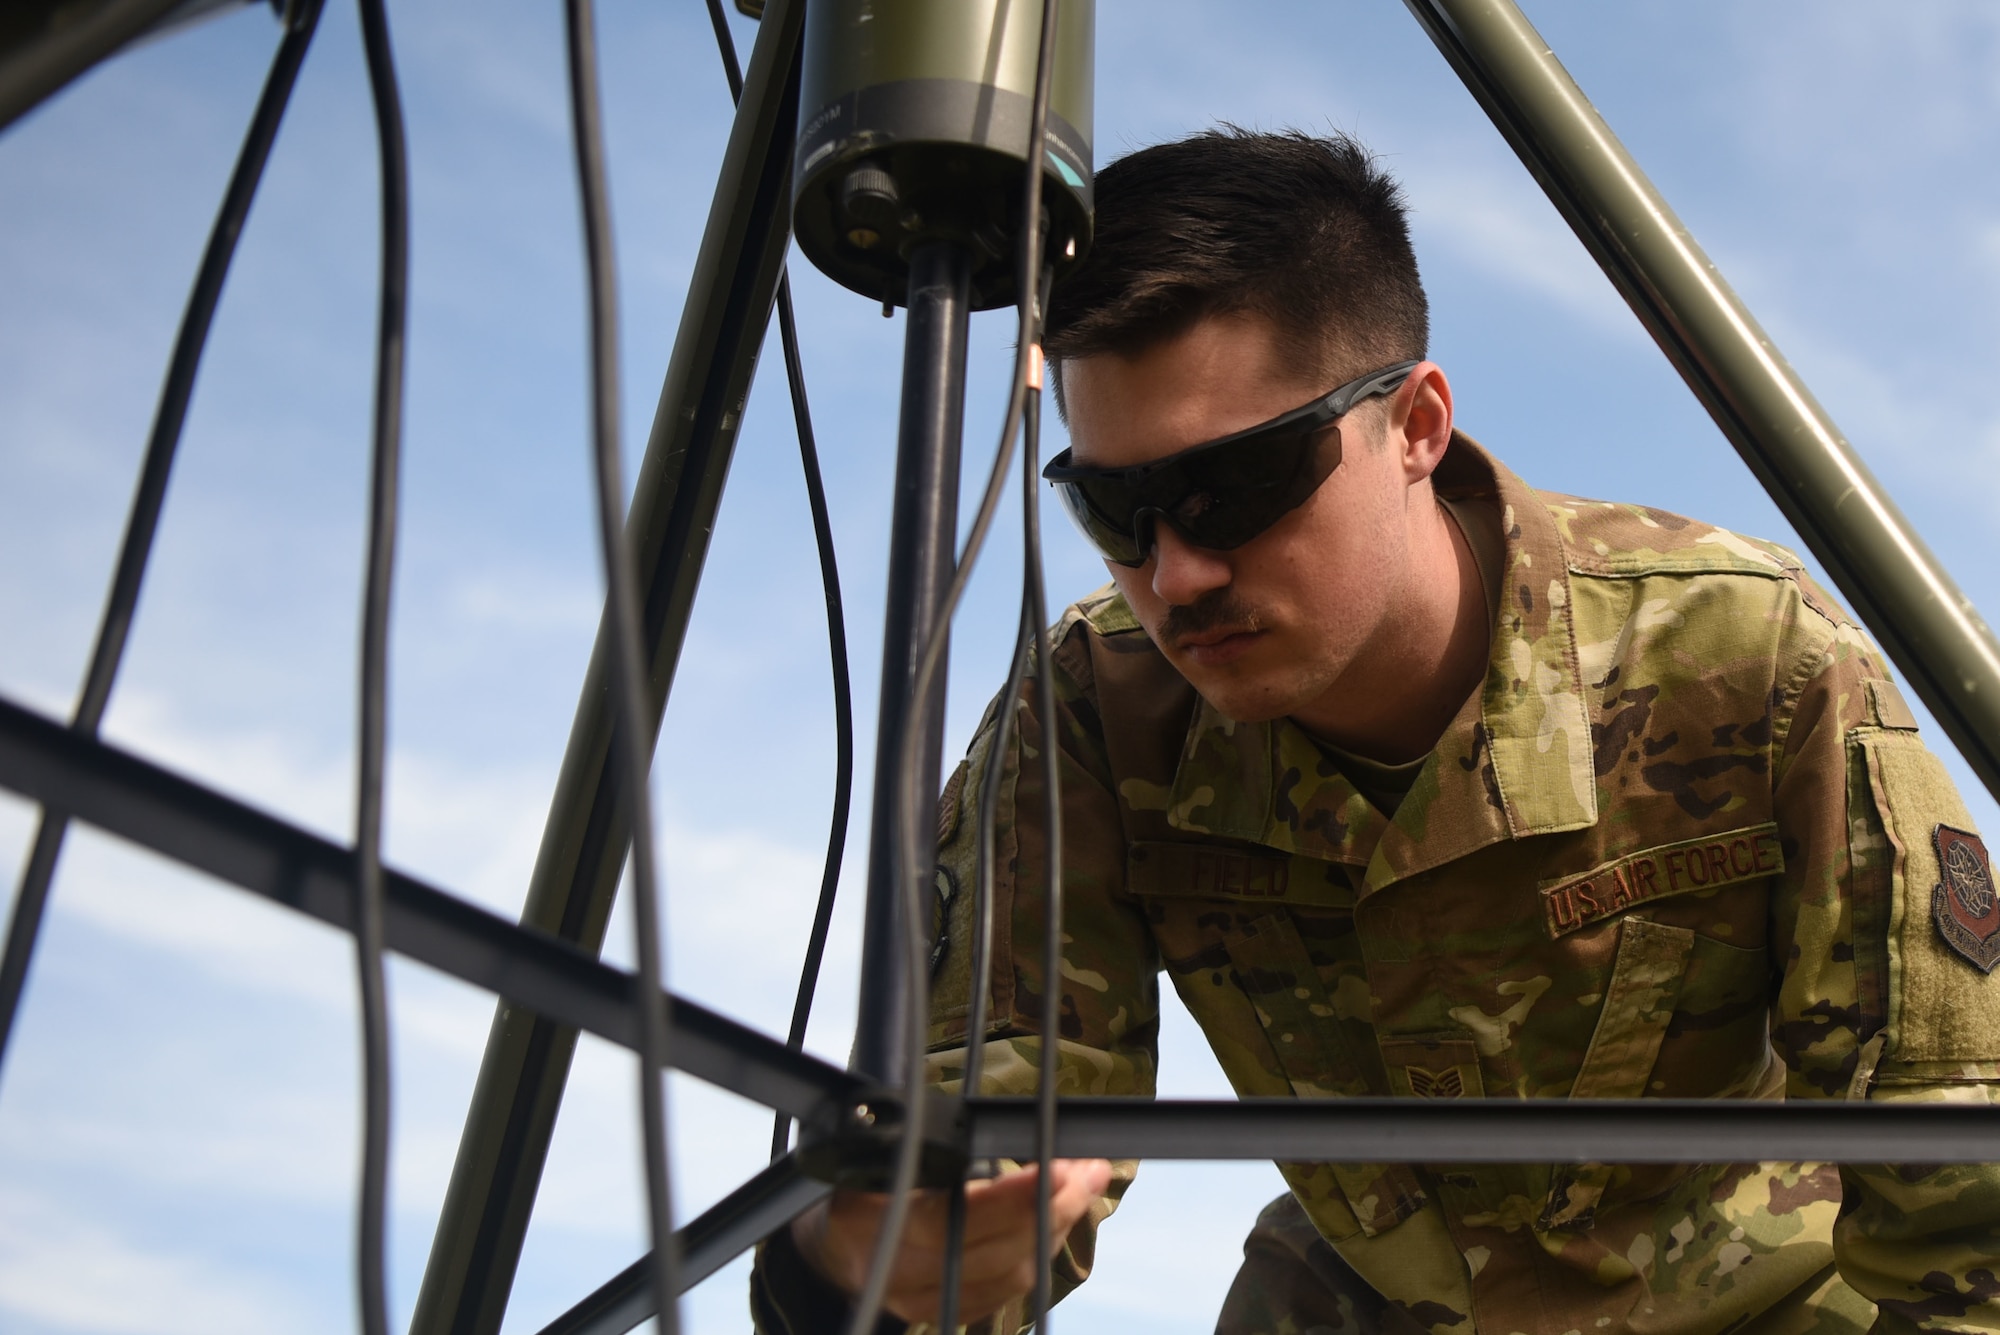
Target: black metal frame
{"type": "Point", "coordinates": [156, 809]}
{"type": "Point", "coordinates": [545, 971]}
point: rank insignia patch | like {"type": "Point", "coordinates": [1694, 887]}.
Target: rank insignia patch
{"type": "Point", "coordinates": [1963, 904]}
{"type": "Point", "coordinates": [1426, 1084]}
{"type": "Point", "coordinates": [1432, 1066]}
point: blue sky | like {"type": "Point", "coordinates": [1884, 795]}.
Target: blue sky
{"type": "Point", "coordinates": [177, 1124]}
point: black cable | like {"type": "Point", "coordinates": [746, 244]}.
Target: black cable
{"type": "Point", "coordinates": [836, 632]}
{"type": "Point", "coordinates": [843, 697]}
{"type": "Point", "coordinates": [727, 46]}
{"type": "Point", "coordinates": [954, 1259]}
{"type": "Point", "coordinates": [385, 470]}
{"type": "Point", "coordinates": [621, 589]}
{"type": "Point", "coordinates": [1045, 704]}
{"type": "Point", "coordinates": [989, 806]}
{"type": "Point", "coordinates": [142, 523]}
{"type": "Point", "coordinates": [910, 823]}
{"type": "Point", "coordinates": [982, 936]}
{"type": "Point", "coordinates": [983, 897]}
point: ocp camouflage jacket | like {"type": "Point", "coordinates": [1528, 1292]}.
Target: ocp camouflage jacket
{"type": "Point", "coordinates": [1684, 842]}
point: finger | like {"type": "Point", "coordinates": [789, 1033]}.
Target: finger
{"type": "Point", "coordinates": [1006, 1206]}
{"type": "Point", "coordinates": [998, 1252]}
{"type": "Point", "coordinates": [1097, 1171]}
{"type": "Point", "coordinates": [1000, 1265]}
{"type": "Point", "coordinates": [991, 1271]}
{"type": "Point", "coordinates": [1022, 1179]}
{"type": "Point", "coordinates": [997, 1256]}
{"type": "Point", "coordinates": [1068, 1178]}
{"type": "Point", "coordinates": [1074, 1191]}
{"type": "Point", "coordinates": [1000, 1206]}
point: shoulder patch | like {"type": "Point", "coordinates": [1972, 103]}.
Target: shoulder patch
{"type": "Point", "coordinates": [1943, 1004]}
{"type": "Point", "coordinates": [1963, 904]}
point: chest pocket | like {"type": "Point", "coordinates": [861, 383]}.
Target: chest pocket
{"type": "Point", "coordinates": [1260, 948]}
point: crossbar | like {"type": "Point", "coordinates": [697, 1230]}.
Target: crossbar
{"type": "Point", "coordinates": [159, 810]}
{"type": "Point", "coordinates": [139, 801]}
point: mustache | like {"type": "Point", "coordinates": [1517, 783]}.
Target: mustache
{"type": "Point", "coordinates": [1218, 609]}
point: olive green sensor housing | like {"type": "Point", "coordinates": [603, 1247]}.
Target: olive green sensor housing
{"type": "Point", "coordinates": [914, 117]}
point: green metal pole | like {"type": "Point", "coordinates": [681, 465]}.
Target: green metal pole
{"type": "Point", "coordinates": [520, 1086]}
{"type": "Point", "coordinates": [45, 44]}
{"type": "Point", "coordinates": [1927, 627]}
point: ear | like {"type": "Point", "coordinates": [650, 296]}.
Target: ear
{"type": "Point", "coordinates": [1420, 420]}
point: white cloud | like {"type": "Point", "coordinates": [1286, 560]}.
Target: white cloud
{"type": "Point", "coordinates": [1499, 223]}
{"type": "Point", "coordinates": [512, 65]}
{"type": "Point", "coordinates": [525, 600]}
{"type": "Point", "coordinates": [69, 1271]}
{"type": "Point", "coordinates": [231, 934]}
{"type": "Point", "coordinates": [1935, 64]}
{"type": "Point", "coordinates": [280, 771]}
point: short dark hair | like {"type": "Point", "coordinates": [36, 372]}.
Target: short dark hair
{"type": "Point", "coordinates": [1306, 231]}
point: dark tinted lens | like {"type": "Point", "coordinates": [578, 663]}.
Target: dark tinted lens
{"type": "Point", "coordinates": [1219, 499]}
{"type": "Point", "coordinates": [1237, 493]}
{"type": "Point", "coordinates": [1257, 484]}
{"type": "Point", "coordinates": [1095, 518]}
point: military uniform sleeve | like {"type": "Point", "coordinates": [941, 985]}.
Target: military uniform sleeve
{"type": "Point", "coordinates": [1110, 998]}
{"type": "Point", "coordinates": [1110, 966]}
{"type": "Point", "coordinates": [1875, 1000]}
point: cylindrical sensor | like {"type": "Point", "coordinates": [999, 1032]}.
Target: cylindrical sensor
{"type": "Point", "coordinates": [913, 127]}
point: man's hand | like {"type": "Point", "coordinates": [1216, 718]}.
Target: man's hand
{"type": "Point", "coordinates": [837, 1238]}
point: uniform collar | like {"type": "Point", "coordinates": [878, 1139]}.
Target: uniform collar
{"type": "Point", "coordinates": [1516, 761]}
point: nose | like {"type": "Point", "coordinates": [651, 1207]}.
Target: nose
{"type": "Point", "coordinates": [1183, 572]}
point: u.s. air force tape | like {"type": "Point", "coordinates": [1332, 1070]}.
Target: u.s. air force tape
{"type": "Point", "coordinates": [1707, 863]}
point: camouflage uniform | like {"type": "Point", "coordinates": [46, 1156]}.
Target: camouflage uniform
{"type": "Point", "coordinates": [1682, 843]}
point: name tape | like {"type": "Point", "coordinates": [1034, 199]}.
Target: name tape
{"type": "Point", "coordinates": [1656, 873]}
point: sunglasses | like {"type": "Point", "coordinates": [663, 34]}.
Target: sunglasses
{"type": "Point", "coordinates": [1222, 493]}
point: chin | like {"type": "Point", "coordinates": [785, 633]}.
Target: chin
{"type": "Point", "coordinates": [1242, 703]}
